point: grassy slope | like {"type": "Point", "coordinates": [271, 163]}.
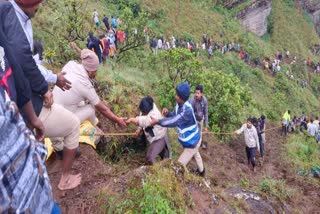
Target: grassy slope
{"type": "Point", "coordinates": [271, 95]}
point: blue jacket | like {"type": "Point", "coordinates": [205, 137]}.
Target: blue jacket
{"type": "Point", "coordinates": [29, 82]}
{"type": "Point", "coordinates": [183, 118]}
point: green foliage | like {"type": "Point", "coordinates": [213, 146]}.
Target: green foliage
{"type": "Point", "coordinates": [303, 152]}
{"type": "Point", "coordinates": [152, 194]}
{"type": "Point", "coordinates": [134, 25]}
{"type": "Point", "coordinates": [244, 182]}
{"type": "Point", "coordinates": [178, 65]}
{"type": "Point", "coordinates": [278, 188]}
{"type": "Point", "coordinates": [226, 97]}
{"type": "Point", "coordinates": [291, 31]}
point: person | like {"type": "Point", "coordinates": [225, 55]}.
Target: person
{"type": "Point", "coordinates": [188, 131]}
{"type": "Point", "coordinates": [251, 140]}
{"type": "Point", "coordinates": [312, 129]}
{"type": "Point", "coordinates": [82, 99]}
{"type": "Point", "coordinates": [153, 46]}
{"type": "Point", "coordinates": [114, 22]}
{"type": "Point", "coordinates": [262, 135]}
{"type": "Point", "coordinates": [304, 124]}
{"type": "Point", "coordinates": [316, 122]}
{"type": "Point", "coordinates": [57, 121]}
{"type": "Point", "coordinates": [112, 43]}
{"type": "Point", "coordinates": [95, 16]}
{"type": "Point", "coordinates": [49, 76]}
{"type": "Point", "coordinates": [95, 45]}
{"type": "Point", "coordinates": [199, 104]}
{"type": "Point", "coordinates": [159, 44]}
{"type": "Point", "coordinates": [285, 122]}
{"type": "Point", "coordinates": [210, 52]}
{"type": "Point", "coordinates": [106, 22]}
{"type": "Point", "coordinates": [156, 135]}
{"type": "Point", "coordinates": [23, 162]}
{"type": "Point", "coordinates": [105, 47]}
{"type": "Point", "coordinates": [287, 53]}
{"type": "Point", "coordinates": [16, 28]}
{"type": "Point", "coordinates": [20, 164]}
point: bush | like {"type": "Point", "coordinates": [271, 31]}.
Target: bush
{"type": "Point", "coordinates": [277, 188]}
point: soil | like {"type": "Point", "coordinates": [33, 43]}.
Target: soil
{"type": "Point", "coordinates": [225, 164]}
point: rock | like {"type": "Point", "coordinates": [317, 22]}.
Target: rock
{"type": "Point", "coordinates": [255, 203]}
{"type": "Point", "coordinates": [313, 8]}
{"type": "Point", "coordinates": [254, 17]}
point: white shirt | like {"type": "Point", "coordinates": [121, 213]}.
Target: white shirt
{"type": "Point", "coordinates": [25, 22]}
{"type": "Point", "coordinates": [312, 129]}
{"type": "Point", "coordinates": [160, 43]}
{"type": "Point", "coordinates": [27, 28]}
{"type": "Point", "coordinates": [250, 136]}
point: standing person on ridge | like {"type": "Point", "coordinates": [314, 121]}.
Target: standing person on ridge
{"type": "Point", "coordinates": [188, 131]}
{"type": "Point", "coordinates": [252, 141]}
{"type": "Point", "coordinates": [199, 104]}
{"type": "Point", "coordinates": [286, 118]}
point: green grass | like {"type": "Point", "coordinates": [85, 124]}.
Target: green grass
{"type": "Point", "coordinates": [278, 188]}
{"type": "Point", "coordinates": [152, 193]}
{"type": "Point", "coordinates": [291, 30]}
{"type": "Point", "coordinates": [303, 152]}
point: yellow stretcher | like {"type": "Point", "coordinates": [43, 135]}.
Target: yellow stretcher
{"type": "Point", "coordinates": [87, 135]}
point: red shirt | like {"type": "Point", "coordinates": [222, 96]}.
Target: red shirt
{"type": "Point", "coordinates": [120, 35]}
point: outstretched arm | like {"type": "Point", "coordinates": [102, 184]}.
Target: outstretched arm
{"type": "Point", "coordinates": [105, 111]}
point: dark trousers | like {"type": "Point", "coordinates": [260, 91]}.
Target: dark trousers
{"type": "Point", "coordinates": [285, 129]}
{"type": "Point", "coordinates": [251, 155]}
{"type": "Point", "coordinates": [156, 148]}
{"type": "Point", "coordinates": [261, 148]}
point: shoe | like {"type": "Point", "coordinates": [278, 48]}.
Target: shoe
{"type": "Point", "coordinates": [203, 173]}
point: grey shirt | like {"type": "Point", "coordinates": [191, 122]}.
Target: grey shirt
{"type": "Point", "coordinates": [200, 108]}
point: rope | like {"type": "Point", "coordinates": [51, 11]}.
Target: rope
{"type": "Point", "coordinates": [133, 134]}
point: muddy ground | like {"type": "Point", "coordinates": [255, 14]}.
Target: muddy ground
{"type": "Point", "coordinates": [226, 165]}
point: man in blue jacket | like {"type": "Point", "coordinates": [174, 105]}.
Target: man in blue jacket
{"type": "Point", "coordinates": [188, 131]}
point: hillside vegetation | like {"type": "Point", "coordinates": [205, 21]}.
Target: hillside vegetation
{"type": "Point", "coordinates": [235, 90]}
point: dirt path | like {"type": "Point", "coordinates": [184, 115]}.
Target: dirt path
{"type": "Point", "coordinates": [225, 163]}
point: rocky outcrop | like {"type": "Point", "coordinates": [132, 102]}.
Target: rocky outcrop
{"type": "Point", "coordinates": [254, 17]}
{"type": "Point", "coordinates": [313, 8]}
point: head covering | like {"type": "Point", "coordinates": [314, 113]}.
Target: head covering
{"type": "Point", "coordinates": [146, 104]}
{"type": "Point", "coordinates": [183, 91]}
{"type": "Point", "coordinates": [90, 60]}
{"type": "Point", "coordinates": [28, 3]}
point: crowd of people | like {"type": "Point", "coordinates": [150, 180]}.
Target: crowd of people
{"type": "Point", "coordinates": [31, 111]}
{"type": "Point", "coordinates": [302, 123]}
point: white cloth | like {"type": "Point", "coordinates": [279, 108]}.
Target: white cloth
{"type": "Point", "coordinates": [160, 44]}
{"type": "Point", "coordinates": [81, 91]}
{"type": "Point", "coordinates": [25, 22]}
{"type": "Point", "coordinates": [250, 136]}
{"type": "Point", "coordinates": [312, 129]}
{"type": "Point", "coordinates": [144, 122]}
{"type": "Point", "coordinates": [48, 75]}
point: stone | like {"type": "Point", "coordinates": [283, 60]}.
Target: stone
{"type": "Point", "coordinates": [254, 17]}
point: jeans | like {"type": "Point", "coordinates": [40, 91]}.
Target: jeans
{"type": "Point", "coordinates": [251, 155]}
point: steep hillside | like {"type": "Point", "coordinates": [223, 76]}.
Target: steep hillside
{"type": "Point", "coordinates": [114, 180]}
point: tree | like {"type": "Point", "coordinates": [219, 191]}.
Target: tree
{"type": "Point", "coordinates": [178, 64]}
{"type": "Point", "coordinates": [226, 97]}
{"type": "Point", "coordinates": [133, 24]}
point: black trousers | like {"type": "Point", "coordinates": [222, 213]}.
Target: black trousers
{"type": "Point", "coordinates": [251, 155]}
